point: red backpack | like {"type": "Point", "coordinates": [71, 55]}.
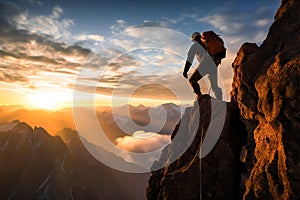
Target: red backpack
{"type": "Point", "coordinates": [214, 44]}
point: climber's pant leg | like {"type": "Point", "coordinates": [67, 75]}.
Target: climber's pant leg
{"type": "Point", "coordinates": [196, 76]}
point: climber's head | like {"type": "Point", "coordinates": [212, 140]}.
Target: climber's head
{"type": "Point", "coordinates": [196, 37]}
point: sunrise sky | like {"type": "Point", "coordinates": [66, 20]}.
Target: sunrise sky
{"type": "Point", "coordinates": [124, 48]}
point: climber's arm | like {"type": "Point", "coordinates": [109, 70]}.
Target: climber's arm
{"type": "Point", "coordinates": [186, 68]}
{"type": "Point", "coordinates": [190, 57]}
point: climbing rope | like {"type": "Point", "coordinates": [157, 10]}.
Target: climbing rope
{"type": "Point", "coordinates": [198, 152]}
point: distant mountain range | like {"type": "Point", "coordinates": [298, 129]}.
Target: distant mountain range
{"type": "Point", "coordinates": [54, 121]}
{"type": "Point", "coordinates": [36, 165]}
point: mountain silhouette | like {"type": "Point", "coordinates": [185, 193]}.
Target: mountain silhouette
{"type": "Point", "coordinates": [36, 165]}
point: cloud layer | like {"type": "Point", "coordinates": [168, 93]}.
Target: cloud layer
{"type": "Point", "coordinates": [28, 52]}
{"type": "Point", "coordinates": [240, 25]}
{"type": "Point", "coordinates": [142, 142]}
{"type": "Point", "coordinates": [41, 51]}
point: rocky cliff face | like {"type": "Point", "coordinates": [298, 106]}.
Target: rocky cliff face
{"type": "Point", "coordinates": [266, 90]}
{"type": "Point", "coordinates": [257, 155]}
{"type": "Point", "coordinates": [217, 176]}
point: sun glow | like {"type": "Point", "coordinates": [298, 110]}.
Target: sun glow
{"type": "Point", "coordinates": [51, 100]}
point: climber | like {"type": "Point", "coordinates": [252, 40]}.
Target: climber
{"type": "Point", "coordinates": [205, 66]}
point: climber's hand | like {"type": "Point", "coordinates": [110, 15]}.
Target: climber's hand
{"type": "Point", "coordinates": [185, 75]}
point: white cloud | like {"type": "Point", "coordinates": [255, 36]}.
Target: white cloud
{"type": "Point", "coordinates": [45, 24]}
{"type": "Point", "coordinates": [143, 142]}
{"type": "Point", "coordinates": [125, 44]}
{"type": "Point", "coordinates": [260, 36]}
{"type": "Point", "coordinates": [160, 38]}
{"type": "Point", "coordinates": [120, 26]}
{"type": "Point", "coordinates": [95, 37]}
{"type": "Point", "coordinates": [262, 22]}
{"type": "Point", "coordinates": [56, 12]}
{"type": "Point", "coordinates": [182, 18]}
{"type": "Point", "coordinates": [149, 23]}
{"type": "Point", "coordinates": [237, 27]}
{"type": "Point", "coordinates": [32, 2]}
{"type": "Point", "coordinates": [218, 22]}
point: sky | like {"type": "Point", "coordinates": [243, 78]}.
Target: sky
{"type": "Point", "coordinates": [115, 52]}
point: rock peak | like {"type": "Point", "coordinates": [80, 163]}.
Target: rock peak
{"type": "Point", "coordinates": [257, 154]}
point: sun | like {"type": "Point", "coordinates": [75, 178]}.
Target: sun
{"type": "Point", "coordinates": [51, 100]}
